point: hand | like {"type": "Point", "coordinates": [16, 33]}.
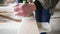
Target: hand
{"type": "Point", "coordinates": [24, 9]}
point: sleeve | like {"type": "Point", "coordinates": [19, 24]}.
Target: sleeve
{"type": "Point", "coordinates": [48, 3]}
{"type": "Point", "coordinates": [54, 3]}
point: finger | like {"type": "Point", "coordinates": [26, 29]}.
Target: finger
{"type": "Point", "coordinates": [16, 5]}
{"type": "Point", "coordinates": [16, 8]}
{"type": "Point", "coordinates": [21, 14]}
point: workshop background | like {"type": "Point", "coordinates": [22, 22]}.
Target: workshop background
{"type": "Point", "coordinates": [10, 26]}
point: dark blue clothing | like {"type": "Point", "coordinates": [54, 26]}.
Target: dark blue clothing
{"type": "Point", "coordinates": [38, 11]}
{"type": "Point", "coordinates": [41, 14]}
{"type": "Point", "coordinates": [46, 15]}
{"type": "Point", "coordinates": [38, 15]}
{"type": "Point", "coordinates": [43, 33]}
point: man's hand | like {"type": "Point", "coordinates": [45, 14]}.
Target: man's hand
{"type": "Point", "coordinates": [24, 9]}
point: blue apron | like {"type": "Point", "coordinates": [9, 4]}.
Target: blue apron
{"type": "Point", "coordinates": [42, 15]}
{"type": "Point", "coordinates": [46, 15]}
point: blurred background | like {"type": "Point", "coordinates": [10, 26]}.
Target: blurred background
{"type": "Point", "coordinates": [9, 26]}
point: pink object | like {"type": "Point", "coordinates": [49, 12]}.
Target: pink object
{"type": "Point", "coordinates": [24, 9]}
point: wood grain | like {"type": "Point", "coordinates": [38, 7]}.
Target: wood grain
{"type": "Point", "coordinates": [7, 17]}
